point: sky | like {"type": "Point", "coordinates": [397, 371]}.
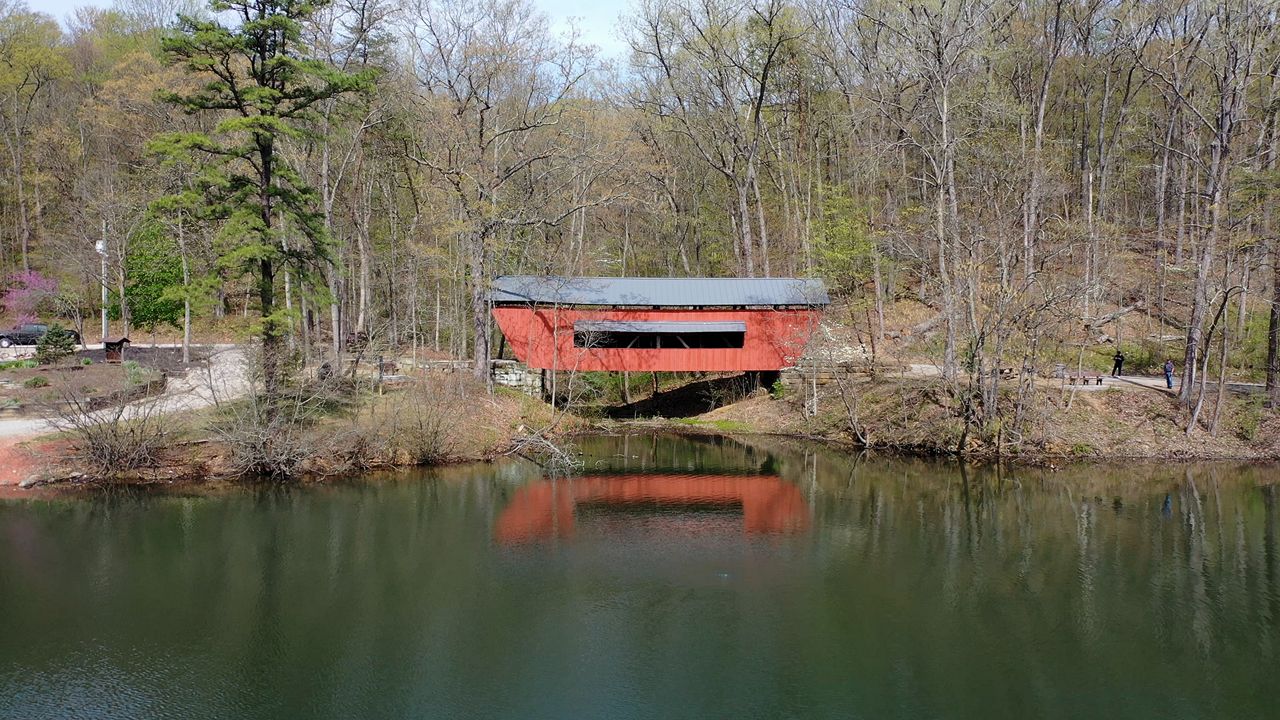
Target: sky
{"type": "Point", "coordinates": [596, 19]}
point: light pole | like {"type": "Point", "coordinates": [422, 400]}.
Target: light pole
{"type": "Point", "coordinates": [101, 247]}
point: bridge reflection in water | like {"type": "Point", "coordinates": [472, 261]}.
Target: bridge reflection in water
{"type": "Point", "coordinates": [549, 508]}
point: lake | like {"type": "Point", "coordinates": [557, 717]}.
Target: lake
{"type": "Point", "coordinates": [674, 577]}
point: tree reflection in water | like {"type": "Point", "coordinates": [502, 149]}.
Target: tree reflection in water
{"type": "Point", "coordinates": [869, 586]}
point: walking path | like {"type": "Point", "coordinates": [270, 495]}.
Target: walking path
{"type": "Point", "coordinates": [1122, 382]}
{"type": "Point", "coordinates": [221, 377]}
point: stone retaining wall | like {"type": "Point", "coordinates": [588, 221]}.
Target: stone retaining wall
{"type": "Point", "coordinates": [513, 374]}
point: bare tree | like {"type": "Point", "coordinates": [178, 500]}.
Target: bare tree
{"type": "Point", "coordinates": [498, 91]}
{"type": "Point", "coordinates": [708, 68]}
{"type": "Point", "coordinates": [1233, 39]}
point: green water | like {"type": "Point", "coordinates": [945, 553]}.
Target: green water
{"type": "Point", "coordinates": [681, 579]}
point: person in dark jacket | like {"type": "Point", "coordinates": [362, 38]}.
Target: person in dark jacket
{"type": "Point", "coordinates": [1118, 360]}
{"type": "Point", "coordinates": [1168, 373]}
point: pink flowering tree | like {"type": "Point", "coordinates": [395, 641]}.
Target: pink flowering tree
{"type": "Point", "coordinates": [27, 292]}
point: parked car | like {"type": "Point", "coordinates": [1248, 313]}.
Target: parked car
{"type": "Point", "coordinates": [29, 335]}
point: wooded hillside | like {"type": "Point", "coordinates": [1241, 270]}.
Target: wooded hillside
{"type": "Point", "coordinates": [1030, 171]}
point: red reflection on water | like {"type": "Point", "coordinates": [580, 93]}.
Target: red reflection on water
{"type": "Point", "coordinates": [545, 509]}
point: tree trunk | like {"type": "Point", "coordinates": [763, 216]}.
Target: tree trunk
{"type": "Point", "coordinates": [272, 332]}
{"type": "Point", "coordinates": [479, 306]}
{"type": "Point", "coordinates": [946, 289]}
{"type": "Point", "coordinates": [186, 294]}
{"type": "Point", "coordinates": [1031, 230]}
{"type": "Point", "coordinates": [879, 289]}
{"type": "Point", "coordinates": [947, 229]}
{"type": "Point", "coordinates": [764, 231]}
{"type": "Point", "coordinates": [23, 222]}
{"type": "Point", "coordinates": [1273, 328]}
{"type": "Point", "coordinates": [744, 229]}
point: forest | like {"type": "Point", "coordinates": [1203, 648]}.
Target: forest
{"type": "Point", "coordinates": [324, 174]}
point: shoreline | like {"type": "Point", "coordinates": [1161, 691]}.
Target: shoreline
{"type": "Point", "coordinates": [195, 474]}
{"type": "Point", "coordinates": [924, 453]}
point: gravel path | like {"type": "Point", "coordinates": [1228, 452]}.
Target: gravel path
{"type": "Point", "coordinates": [219, 377]}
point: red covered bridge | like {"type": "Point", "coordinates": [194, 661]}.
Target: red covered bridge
{"type": "Point", "coordinates": [657, 324]}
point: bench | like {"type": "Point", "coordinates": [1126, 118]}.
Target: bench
{"type": "Point", "coordinates": [1084, 380]}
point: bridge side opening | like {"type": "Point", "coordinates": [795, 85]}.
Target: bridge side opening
{"type": "Point", "coordinates": [632, 335]}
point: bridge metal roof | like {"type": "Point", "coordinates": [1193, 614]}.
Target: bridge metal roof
{"type": "Point", "coordinates": [650, 292]}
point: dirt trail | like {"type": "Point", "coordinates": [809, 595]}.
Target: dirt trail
{"type": "Point", "coordinates": [15, 462]}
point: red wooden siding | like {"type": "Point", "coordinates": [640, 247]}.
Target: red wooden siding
{"type": "Point", "coordinates": [542, 337]}
{"type": "Point", "coordinates": [545, 509]}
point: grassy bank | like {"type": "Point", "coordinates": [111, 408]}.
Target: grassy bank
{"type": "Point", "coordinates": [336, 428]}
{"type": "Point", "coordinates": [914, 416]}
{"type": "Point", "coordinates": [342, 429]}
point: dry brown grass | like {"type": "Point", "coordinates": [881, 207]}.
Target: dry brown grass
{"type": "Point", "coordinates": [912, 415]}
{"type": "Point", "coordinates": [435, 419]}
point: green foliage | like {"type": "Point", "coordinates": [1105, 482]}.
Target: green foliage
{"type": "Point", "coordinates": [721, 425]}
{"type": "Point", "coordinates": [1082, 450]}
{"type": "Point", "coordinates": [778, 391]}
{"type": "Point", "coordinates": [638, 385]}
{"type": "Point", "coordinates": [1146, 357]}
{"type": "Point", "coordinates": [1253, 189]}
{"type": "Point", "coordinates": [1252, 412]}
{"type": "Point", "coordinates": [265, 90]}
{"type": "Point", "coordinates": [29, 43]}
{"type": "Point", "coordinates": [134, 374]}
{"type": "Point", "coordinates": [56, 344]}
{"type": "Point", "coordinates": [593, 386]}
{"type": "Point", "coordinates": [842, 243]}
{"type": "Point", "coordinates": [38, 381]}
{"type": "Point", "coordinates": [1251, 352]}
{"type": "Point", "coordinates": [154, 287]}
{"type": "Point", "coordinates": [17, 364]}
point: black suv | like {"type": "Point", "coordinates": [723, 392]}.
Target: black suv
{"type": "Point", "coordinates": [28, 335]}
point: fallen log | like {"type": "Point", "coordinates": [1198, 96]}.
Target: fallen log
{"type": "Point", "coordinates": [1101, 320]}
{"type": "Point", "coordinates": [926, 326]}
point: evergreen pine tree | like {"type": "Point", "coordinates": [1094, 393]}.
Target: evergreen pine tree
{"type": "Point", "coordinates": [264, 90]}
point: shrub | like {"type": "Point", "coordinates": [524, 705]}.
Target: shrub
{"type": "Point", "coordinates": [29, 294]}
{"type": "Point", "coordinates": [271, 438]}
{"type": "Point", "coordinates": [56, 344]}
{"type": "Point", "coordinates": [86, 361]}
{"type": "Point", "coordinates": [278, 437]}
{"type": "Point", "coordinates": [416, 425]}
{"type": "Point", "coordinates": [133, 372]}
{"type": "Point", "coordinates": [1146, 357]}
{"type": "Point", "coordinates": [1252, 413]}
{"type": "Point", "coordinates": [38, 381]}
{"type": "Point", "coordinates": [420, 425]}
{"type": "Point", "coordinates": [120, 439]}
